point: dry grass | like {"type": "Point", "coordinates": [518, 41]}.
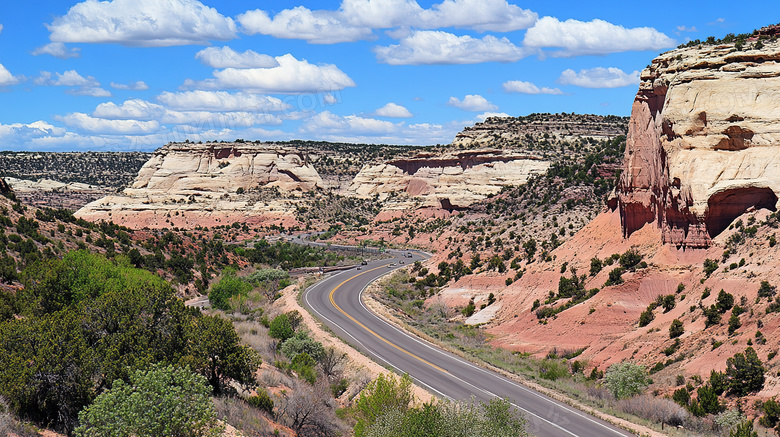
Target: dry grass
{"type": "Point", "coordinates": [659, 410]}
{"type": "Point", "coordinates": [242, 416]}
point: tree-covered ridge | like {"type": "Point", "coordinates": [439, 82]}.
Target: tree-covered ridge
{"type": "Point", "coordinates": [83, 322]}
{"type": "Point", "coordinates": [106, 169]}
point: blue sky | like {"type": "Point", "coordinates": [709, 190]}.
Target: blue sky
{"type": "Point", "coordinates": [136, 74]}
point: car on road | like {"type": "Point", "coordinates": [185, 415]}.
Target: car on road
{"type": "Point", "coordinates": [360, 268]}
{"type": "Point", "coordinates": [400, 262]}
{"type": "Point", "coordinates": [364, 262]}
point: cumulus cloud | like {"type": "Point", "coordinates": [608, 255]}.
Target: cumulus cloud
{"type": "Point", "coordinates": [147, 23]}
{"type": "Point", "coordinates": [221, 101]}
{"type": "Point", "coordinates": [356, 19]}
{"type": "Point", "coordinates": [134, 109]}
{"type": "Point", "coordinates": [485, 115]}
{"type": "Point", "coordinates": [472, 102]}
{"type": "Point", "coordinates": [437, 47]}
{"type": "Point", "coordinates": [599, 77]}
{"type": "Point", "coordinates": [394, 111]}
{"type": "Point", "coordinates": [132, 86]}
{"type": "Point", "coordinates": [6, 78]}
{"type": "Point", "coordinates": [25, 132]}
{"type": "Point", "coordinates": [597, 37]}
{"type": "Point", "coordinates": [291, 76]}
{"type": "Point", "coordinates": [68, 78]}
{"type": "Point", "coordinates": [87, 123]}
{"type": "Point", "coordinates": [328, 122]}
{"type": "Point", "coordinates": [58, 50]}
{"type": "Point", "coordinates": [316, 27]}
{"type": "Point", "coordinates": [518, 86]}
{"type": "Point", "coordinates": [92, 91]}
{"type": "Point", "coordinates": [225, 57]}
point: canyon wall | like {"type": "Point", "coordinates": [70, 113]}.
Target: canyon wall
{"type": "Point", "coordinates": [703, 142]}
{"type": "Point", "coordinates": [450, 181]}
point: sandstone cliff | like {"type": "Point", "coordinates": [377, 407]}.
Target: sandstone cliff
{"type": "Point", "coordinates": [186, 184]}
{"type": "Point", "coordinates": [704, 144]}
{"type": "Point", "coordinates": [449, 181]}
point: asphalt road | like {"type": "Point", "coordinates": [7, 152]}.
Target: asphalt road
{"type": "Point", "coordinates": [336, 301]}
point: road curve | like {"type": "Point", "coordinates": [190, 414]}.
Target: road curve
{"type": "Point", "coordinates": [337, 302]}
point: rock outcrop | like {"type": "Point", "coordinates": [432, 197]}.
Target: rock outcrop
{"type": "Point", "coordinates": [703, 144]}
{"type": "Point", "coordinates": [519, 131]}
{"type": "Point", "coordinates": [5, 189]}
{"type": "Point", "coordinates": [186, 185]}
{"type": "Point", "coordinates": [183, 168]}
{"type": "Point", "coordinates": [450, 181]}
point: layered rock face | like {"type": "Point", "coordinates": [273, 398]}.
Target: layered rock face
{"type": "Point", "coordinates": [703, 142]}
{"type": "Point", "coordinates": [182, 168]}
{"type": "Point", "coordinates": [187, 185]}
{"type": "Point", "coordinates": [450, 181]}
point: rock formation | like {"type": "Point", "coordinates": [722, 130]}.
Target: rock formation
{"type": "Point", "coordinates": [5, 189]}
{"type": "Point", "coordinates": [517, 131]}
{"type": "Point", "coordinates": [185, 184]}
{"type": "Point", "coordinates": [183, 168]}
{"type": "Point", "coordinates": [704, 141]}
{"type": "Point", "coordinates": [450, 181]}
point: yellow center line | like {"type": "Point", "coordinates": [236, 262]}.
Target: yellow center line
{"type": "Point", "coordinates": [333, 302]}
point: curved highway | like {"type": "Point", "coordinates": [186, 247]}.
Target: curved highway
{"type": "Point", "coordinates": [337, 302]}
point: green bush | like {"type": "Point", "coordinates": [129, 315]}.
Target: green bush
{"type": "Point", "coordinates": [553, 369]}
{"type": "Point", "coordinates": [676, 329]}
{"type": "Point", "coordinates": [302, 343]}
{"type": "Point", "coordinates": [626, 379]}
{"type": "Point", "coordinates": [615, 277]}
{"type": "Point", "coordinates": [163, 401]}
{"type": "Point", "coordinates": [710, 265]}
{"type": "Point", "coordinates": [229, 286]}
{"type": "Point", "coordinates": [280, 328]}
{"type": "Point", "coordinates": [385, 393]}
{"type": "Point", "coordinates": [646, 317]}
{"type": "Point", "coordinates": [262, 401]}
{"type": "Point", "coordinates": [745, 373]}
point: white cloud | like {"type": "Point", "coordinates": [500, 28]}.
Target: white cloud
{"type": "Point", "coordinates": [518, 86]}
{"type": "Point", "coordinates": [6, 78]}
{"type": "Point", "coordinates": [599, 77]}
{"type": "Point", "coordinates": [485, 115]}
{"type": "Point", "coordinates": [394, 111]}
{"type": "Point", "coordinates": [91, 124]}
{"type": "Point", "coordinates": [147, 23]}
{"type": "Point", "coordinates": [328, 122]}
{"type": "Point", "coordinates": [596, 37]}
{"type": "Point", "coordinates": [221, 101]}
{"type": "Point", "coordinates": [68, 78]}
{"type": "Point", "coordinates": [437, 47]}
{"type": "Point", "coordinates": [226, 57]}
{"type": "Point", "coordinates": [356, 19]}
{"type": "Point", "coordinates": [316, 27]}
{"type": "Point", "coordinates": [134, 109]}
{"type": "Point", "coordinates": [472, 102]}
{"type": "Point", "coordinates": [25, 132]}
{"type": "Point", "coordinates": [1, 27]}
{"type": "Point", "coordinates": [132, 86]}
{"type": "Point", "coordinates": [686, 29]}
{"type": "Point", "coordinates": [92, 91]}
{"type": "Point", "coordinates": [58, 50]}
{"type": "Point", "coordinates": [481, 15]}
{"type": "Point", "coordinates": [291, 76]}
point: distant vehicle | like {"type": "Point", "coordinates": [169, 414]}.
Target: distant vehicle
{"type": "Point", "coordinates": [408, 255]}
{"type": "Point", "coordinates": [400, 262]}
{"type": "Point", "coordinates": [364, 263]}
{"type": "Point", "coordinates": [360, 268]}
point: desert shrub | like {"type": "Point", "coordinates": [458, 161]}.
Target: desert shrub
{"type": "Point", "coordinates": [625, 379]}
{"type": "Point", "coordinates": [302, 343]}
{"type": "Point", "coordinates": [646, 317]}
{"type": "Point", "coordinates": [655, 409]}
{"type": "Point", "coordinates": [553, 369]}
{"type": "Point", "coordinates": [710, 266]}
{"type": "Point", "coordinates": [280, 328]}
{"type": "Point", "coordinates": [239, 414]}
{"type": "Point", "coordinates": [744, 429]}
{"type": "Point", "coordinates": [771, 413]}
{"type": "Point", "coordinates": [766, 289]}
{"type": "Point", "coordinates": [725, 301]}
{"type": "Point", "coordinates": [452, 419]}
{"type": "Point", "coordinates": [309, 411]}
{"type": "Point", "coordinates": [262, 401]}
{"type": "Point", "coordinates": [385, 393]}
{"type": "Point", "coordinates": [595, 266]}
{"type": "Point", "coordinates": [615, 277]}
{"type": "Point", "coordinates": [163, 401]}
{"type": "Point", "coordinates": [682, 396]}
{"type": "Point", "coordinates": [676, 329]}
{"type": "Point", "coordinates": [745, 373]}
{"type": "Point", "coordinates": [630, 259]}
{"type": "Point", "coordinates": [708, 400]}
